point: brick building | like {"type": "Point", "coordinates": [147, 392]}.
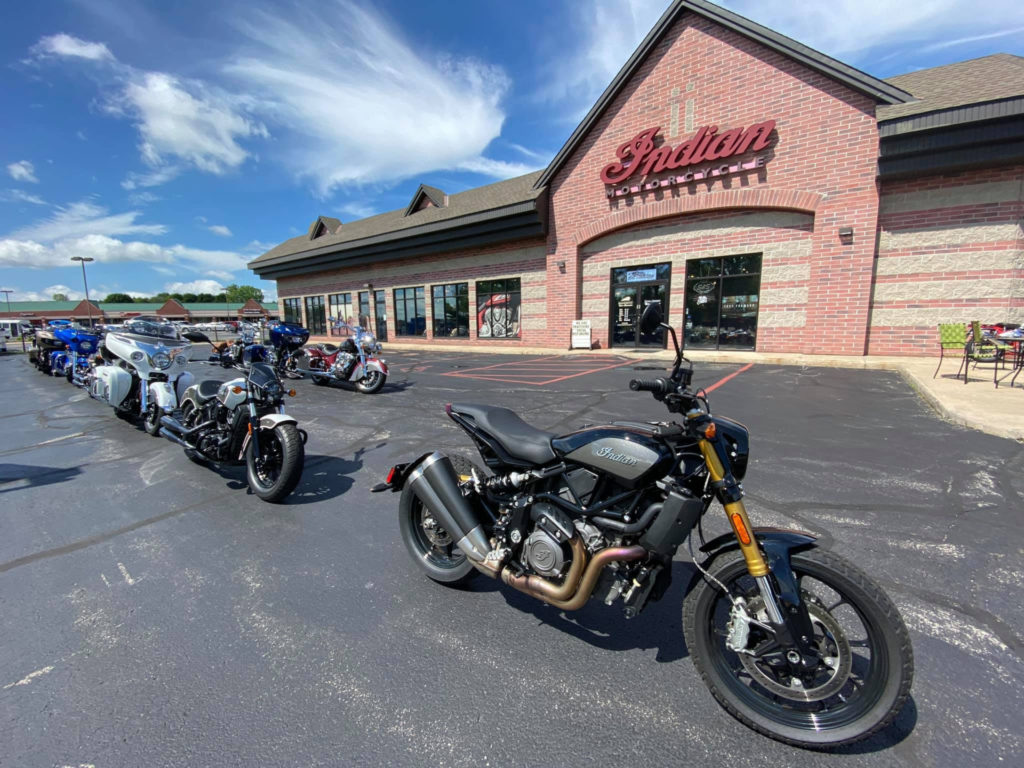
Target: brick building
{"type": "Point", "coordinates": [769, 196]}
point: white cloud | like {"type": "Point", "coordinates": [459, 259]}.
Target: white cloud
{"type": "Point", "coordinates": [73, 47]}
{"type": "Point", "coordinates": [85, 218]}
{"type": "Point", "coordinates": [196, 286]}
{"type": "Point", "coordinates": [46, 294]}
{"type": "Point", "coordinates": [499, 169]}
{"type": "Point", "coordinates": [31, 254]}
{"type": "Point", "coordinates": [143, 198]}
{"type": "Point", "coordinates": [357, 104]}
{"type": "Point", "coordinates": [164, 271]}
{"type": "Point", "coordinates": [22, 170]}
{"type": "Point", "coordinates": [152, 179]}
{"type": "Point", "coordinates": [185, 120]}
{"type": "Point", "coordinates": [354, 210]}
{"type": "Point", "coordinates": [17, 196]}
{"type": "Point", "coordinates": [220, 229]}
{"type": "Point", "coordinates": [220, 275]}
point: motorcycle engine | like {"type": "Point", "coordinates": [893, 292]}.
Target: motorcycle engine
{"type": "Point", "coordinates": [545, 548]}
{"type": "Point", "coordinates": [343, 363]}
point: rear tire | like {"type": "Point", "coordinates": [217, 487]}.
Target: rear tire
{"type": "Point", "coordinates": [283, 455]}
{"type": "Point", "coordinates": [319, 379]}
{"type": "Point", "coordinates": [431, 547]}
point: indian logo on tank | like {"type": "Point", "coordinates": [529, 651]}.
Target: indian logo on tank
{"type": "Point", "coordinates": [611, 455]}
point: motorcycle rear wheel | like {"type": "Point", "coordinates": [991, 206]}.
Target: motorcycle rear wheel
{"type": "Point", "coordinates": [319, 379]}
{"type": "Point", "coordinates": [856, 618]}
{"type": "Point", "coordinates": [281, 455]}
{"type": "Point", "coordinates": [430, 546]}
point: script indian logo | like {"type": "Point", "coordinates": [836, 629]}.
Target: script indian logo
{"type": "Point", "coordinates": [611, 455]}
{"type": "Point", "coordinates": [640, 156]}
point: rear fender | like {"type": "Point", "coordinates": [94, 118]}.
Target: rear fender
{"type": "Point", "coordinates": [398, 474]}
{"type": "Point", "coordinates": [183, 383]}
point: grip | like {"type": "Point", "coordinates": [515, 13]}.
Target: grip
{"type": "Point", "coordinates": [658, 386]}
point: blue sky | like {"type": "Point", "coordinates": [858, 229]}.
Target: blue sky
{"type": "Point", "coordinates": [175, 142]}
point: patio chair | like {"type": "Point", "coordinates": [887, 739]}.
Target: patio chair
{"type": "Point", "coordinates": [982, 350]}
{"type": "Point", "coordinates": [952, 339]}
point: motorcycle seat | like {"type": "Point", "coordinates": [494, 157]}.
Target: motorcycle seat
{"type": "Point", "coordinates": [328, 349]}
{"type": "Point", "coordinates": [519, 439]}
{"type": "Point", "coordinates": [207, 388]}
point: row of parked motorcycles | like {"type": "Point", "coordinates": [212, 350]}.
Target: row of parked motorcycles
{"type": "Point", "coordinates": [141, 371]}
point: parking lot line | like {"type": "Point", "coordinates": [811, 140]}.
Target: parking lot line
{"type": "Point", "coordinates": [732, 375]}
{"type": "Point", "coordinates": [544, 368]}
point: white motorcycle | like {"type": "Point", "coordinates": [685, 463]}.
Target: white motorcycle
{"type": "Point", "coordinates": [144, 372]}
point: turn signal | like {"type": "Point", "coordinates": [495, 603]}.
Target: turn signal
{"type": "Point", "coordinates": [740, 528]}
{"type": "Point", "coordinates": [237, 390]}
{"type": "Point", "coordinates": [710, 431]}
{"type": "Point", "coordinates": [291, 393]}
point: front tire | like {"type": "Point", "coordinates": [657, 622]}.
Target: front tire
{"type": "Point", "coordinates": [276, 471]}
{"type": "Point", "coordinates": [430, 546]}
{"type": "Point", "coordinates": [319, 379]}
{"type": "Point", "coordinates": [371, 383]}
{"type": "Point", "coordinates": [854, 617]}
{"type": "Point", "coordinates": [151, 421]}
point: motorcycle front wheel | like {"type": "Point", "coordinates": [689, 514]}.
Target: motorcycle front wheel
{"type": "Point", "coordinates": [431, 546]}
{"type": "Point", "coordinates": [275, 472]}
{"type": "Point", "coordinates": [151, 420]}
{"type": "Point", "coordinates": [371, 383]}
{"type": "Point", "coordinates": [861, 683]}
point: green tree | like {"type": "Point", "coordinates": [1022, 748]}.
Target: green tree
{"type": "Point", "coordinates": [60, 297]}
{"type": "Point", "coordinates": [119, 298]}
{"type": "Point", "coordinates": [242, 293]}
{"type": "Point", "coordinates": [205, 298]}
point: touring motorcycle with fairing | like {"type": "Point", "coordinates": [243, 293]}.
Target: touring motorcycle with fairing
{"type": "Point", "coordinates": [240, 353]}
{"type": "Point", "coordinates": [286, 342]}
{"type": "Point", "coordinates": [355, 360]}
{"type": "Point", "coordinates": [242, 421]}
{"type": "Point", "coordinates": [791, 639]}
{"type": "Point", "coordinates": [73, 361]}
{"type": "Point", "coordinates": [45, 344]}
{"type": "Point", "coordinates": [143, 371]}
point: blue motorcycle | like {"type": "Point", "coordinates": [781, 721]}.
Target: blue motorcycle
{"type": "Point", "coordinates": [286, 339]}
{"type": "Point", "coordinates": [241, 353]}
{"type": "Point", "coordinates": [72, 360]}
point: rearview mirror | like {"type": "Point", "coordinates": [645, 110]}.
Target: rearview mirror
{"type": "Point", "coordinates": [651, 318]}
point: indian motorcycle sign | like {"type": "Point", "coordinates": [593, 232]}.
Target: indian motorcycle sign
{"type": "Point", "coordinates": [705, 155]}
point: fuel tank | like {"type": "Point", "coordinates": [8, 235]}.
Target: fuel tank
{"type": "Point", "coordinates": [631, 454]}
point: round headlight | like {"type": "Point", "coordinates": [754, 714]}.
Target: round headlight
{"type": "Point", "coordinates": [86, 346]}
{"type": "Point", "coordinates": [138, 357]}
{"type": "Point", "coordinates": [162, 360]}
{"type": "Point", "coordinates": [181, 360]}
{"type": "Point", "coordinates": [274, 390]}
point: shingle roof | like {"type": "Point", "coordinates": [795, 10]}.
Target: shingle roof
{"type": "Point", "coordinates": [39, 306]}
{"type": "Point", "coordinates": [151, 306]}
{"type": "Point", "coordinates": [472, 201]}
{"type": "Point", "coordinates": [990, 78]}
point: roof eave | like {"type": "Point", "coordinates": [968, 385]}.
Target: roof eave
{"type": "Point", "coordinates": [855, 79]}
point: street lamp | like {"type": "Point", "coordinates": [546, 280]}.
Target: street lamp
{"type": "Point", "coordinates": [88, 304]}
{"type": "Point", "coordinates": [7, 295]}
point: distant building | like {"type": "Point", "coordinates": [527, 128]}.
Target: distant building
{"type": "Point", "coordinates": [37, 312]}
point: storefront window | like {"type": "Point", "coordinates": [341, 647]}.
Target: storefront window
{"type": "Point", "coordinates": [722, 301]}
{"type": "Point", "coordinates": [410, 312]}
{"type": "Point", "coordinates": [340, 312]}
{"type": "Point", "coordinates": [497, 308]}
{"type": "Point", "coordinates": [381, 315]}
{"type": "Point", "coordinates": [451, 310]}
{"type": "Point", "coordinates": [364, 309]}
{"type": "Point", "coordinates": [633, 290]}
{"type": "Point", "coordinates": [316, 318]}
{"type": "Point", "coordinates": [293, 311]}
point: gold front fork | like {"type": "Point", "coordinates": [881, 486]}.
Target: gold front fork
{"type": "Point", "coordinates": [737, 514]}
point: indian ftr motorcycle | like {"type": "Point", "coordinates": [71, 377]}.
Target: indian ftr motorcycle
{"type": "Point", "coordinates": [242, 420]}
{"type": "Point", "coordinates": [792, 640]}
{"type": "Point", "coordinates": [355, 360]}
{"type": "Point", "coordinates": [144, 371]}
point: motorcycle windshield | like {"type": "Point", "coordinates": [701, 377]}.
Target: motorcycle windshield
{"type": "Point", "coordinates": [262, 374]}
{"type": "Point", "coordinates": [151, 326]}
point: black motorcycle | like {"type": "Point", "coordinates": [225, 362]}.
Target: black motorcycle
{"type": "Point", "coordinates": [242, 420]}
{"type": "Point", "coordinates": [792, 640]}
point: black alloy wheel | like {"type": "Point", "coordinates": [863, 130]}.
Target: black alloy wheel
{"type": "Point", "coordinates": [274, 473]}
{"type": "Point", "coordinates": [862, 678]}
{"type": "Point", "coordinates": [430, 545]}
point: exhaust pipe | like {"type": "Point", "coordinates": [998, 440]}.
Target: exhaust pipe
{"type": "Point", "coordinates": [568, 596]}
{"type": "Point", "coordinates": [173, 425]}
{"type": "Point", "coordinates": [164, 432]}
{"type": "Point", "coordinates": [435, 483]}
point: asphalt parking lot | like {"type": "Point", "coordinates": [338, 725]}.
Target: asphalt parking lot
{"type": "Point", "coordinates": [156, 614]}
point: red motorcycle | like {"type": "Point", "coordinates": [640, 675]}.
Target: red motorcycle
{"type": "Point", "coordinates": [355, 360]}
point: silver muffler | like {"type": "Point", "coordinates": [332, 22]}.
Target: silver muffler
{"type": "Point", "coordinates": [436, 484]}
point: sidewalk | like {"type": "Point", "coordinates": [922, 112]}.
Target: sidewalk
{"type": "Point", "coordinates": [978, 404]}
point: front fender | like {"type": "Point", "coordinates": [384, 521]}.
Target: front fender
{"type": "Point", "coordinates": [161, 393]}
{"type": "Point", "coordinates": [271, 420]}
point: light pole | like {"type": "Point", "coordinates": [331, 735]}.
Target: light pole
{"type": "Point", "coordinates": [7, 295]}
{"type": "Point", "coordinates": [88, 304]}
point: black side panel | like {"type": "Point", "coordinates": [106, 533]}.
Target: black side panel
{"type": "Point", "coordinates": [679, 513]}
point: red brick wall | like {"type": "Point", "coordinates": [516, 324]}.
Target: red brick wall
{"type": "Point", "coordinates": [951, 249]}
{"type": "Point", "coordinates": [824, 160]}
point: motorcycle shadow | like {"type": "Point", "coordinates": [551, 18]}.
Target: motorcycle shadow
{"type": "Point", "coordinates": [659, 626]}
{"type": "Point", "coordinates": [325, 477]}
{"type": "Point", "coordinates": [36, 476]}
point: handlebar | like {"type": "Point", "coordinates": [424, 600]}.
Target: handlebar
{"type": "Point", "coordinates": [660, 386]}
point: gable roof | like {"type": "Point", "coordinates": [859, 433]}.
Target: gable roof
{"type": "Point", "coordinates": [880, 90]}
{"type": "Point", "coordinates": [323, 225]}
{"type": "Point", "coordinates": [433, 194]}
{"type": "Point", "coordinates": [989, 78]}
{"type": "Point", "coordinates": [470, 207]}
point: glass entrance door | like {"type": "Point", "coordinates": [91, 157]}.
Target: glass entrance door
{"type": "Point", "coordinates": [381, 315]}
{"type": "Point", "coordinates": [633, 290]}
{"type": "Point", "coordinates": [722, 301]}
